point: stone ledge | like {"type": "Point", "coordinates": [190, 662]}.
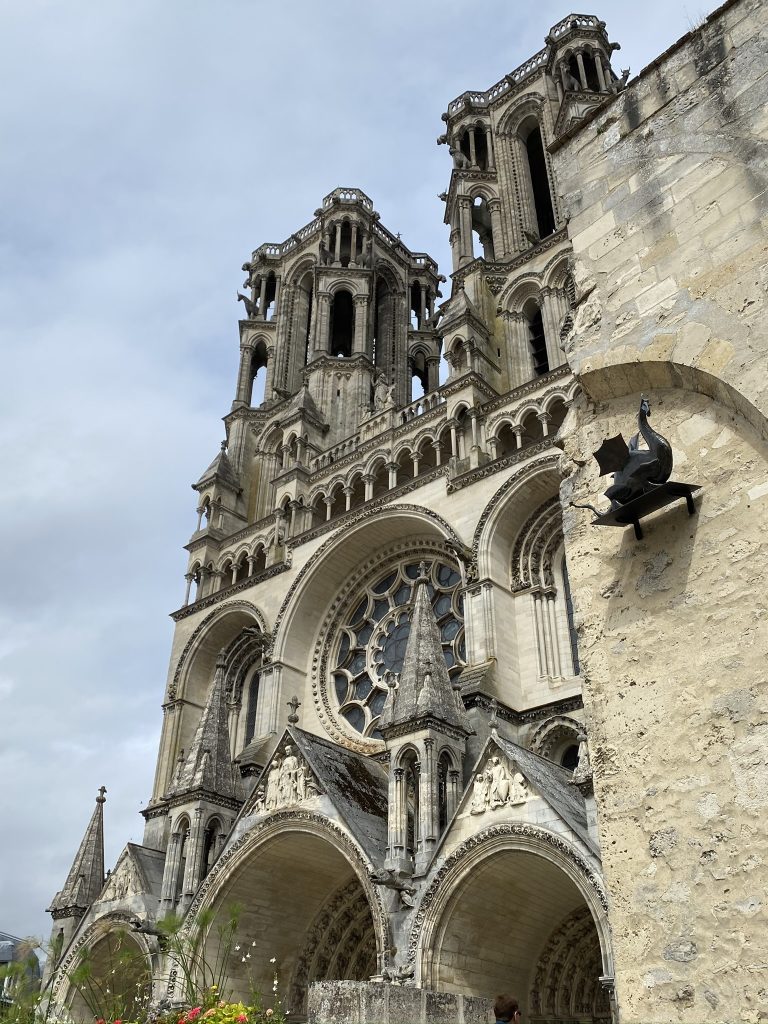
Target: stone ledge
{"type": "Point", "coordinates": [368, 1002]}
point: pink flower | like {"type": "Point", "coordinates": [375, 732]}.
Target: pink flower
{"type": "Point", "coordinates": [193, 1014]}
{"type": "Point", "coordinates": [242, 1018]}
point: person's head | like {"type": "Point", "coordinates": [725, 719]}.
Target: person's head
{"type": "Point", "coordinates": [506, 1008]}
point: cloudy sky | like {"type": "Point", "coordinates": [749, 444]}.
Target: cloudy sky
{"type": "Point", "coordinates": [147, 147]}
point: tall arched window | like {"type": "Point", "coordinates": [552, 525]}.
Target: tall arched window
{"type": "Point", "coordinates": [538, 342]}
{"type": "Point", "coordinates": [410, 766]}
{"type": "Point", "coordinates": [259, 361]}
{"type": "Point", "coordinates": [443, 767]}
{"type": "Point", "coordinates": [210, 846]}
{"type": "Point", "coordinates": [342, 324]}
{"type": "Point", "coordinates": [530, 133]}
{"type": "Point", "coordinates": [253, 703]}
{"type": "Point", "coordinates": [182, 832]}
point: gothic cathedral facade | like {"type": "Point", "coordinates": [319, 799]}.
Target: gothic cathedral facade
{"type": "Point", "coordinates": [436, 734]}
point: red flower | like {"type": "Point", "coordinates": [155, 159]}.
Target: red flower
{"type": "Point", "coordinates": [241, 1018]}
{"type": "Point", "coordinates": [192, 1015]}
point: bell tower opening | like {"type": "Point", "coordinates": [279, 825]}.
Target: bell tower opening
{"type": "Point", "coordinates": [342, 324]}
{"type": "Point", "coordinates": [537, 168]}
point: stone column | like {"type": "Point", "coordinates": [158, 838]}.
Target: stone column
{"type": "Point", "coordinates": [337, 246]}
{"type": "Point", "coordinates": [438, 453]}
{"type": "Point", "coordinates": [170, 869]}
{"type": "Point", "coordinates": [433, 373]}
{"type": "Point", "coordinates": [277, 296]}
{"type": "Point", "coordinates": [263, 297]}
{"type": "Point", "coordinates": [452, 792]}
{"type": "Point", "coordinates": [328, 504]}
{"type": "Point", "coordinates": [361, 321]}
{"type": "Point", "coordinates": [598, 58]}
{"type": "Point", "coordinates": [465, 208]}
{"type": "Point", "coordinates": [397, 820]}
{"type": "Point", "coordinates": [269, 373]}
{"type": "Point", "coordinates": [429, 810]}
{"type": "Point", "coordinates": [544, 419]}
{"type": "Point", "coordinates": [557, 669]}
{"type": "Point", "coordinates": [518, 432]}
{"type": "Point", "coordinates": [489, 148]}
{"type": "Point", "coordinates": [454, 440]}
{"type": "Point", "coordinates": [368, 480]}
{"type": "Point", "coordinates": [347, 498]}
{"type": "Point", "coordinates": [189, 576]}
{"type": "Point", "coordinates": [582, 72]}
{"type": "Point", "coordinates": [244, 374]}
{"type": "Point", "coordinates": [497, 233]}
{"type": "Point", "coordinates": [353, 245]}
{"type": "Point", "coordinates": [455, 243]}
{"type": "Point", "coordinates": [415, 456]}
{"type": "Point", "coordinates": [392, 470]}
{"type": "Point", "coordinates": [472, 149]}
{"type": "Point", "coordinates": [194, 855]}
{"type": "Point", "coordinates": [551, 322]}
{"type": "Point", "coordinates": [541, 653]}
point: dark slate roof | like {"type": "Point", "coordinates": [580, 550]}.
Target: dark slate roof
{"type": "Point", "coordinates": [220, 469]}
{"type": "Point", "coordinates": [86, 876]}
{"type": "Point", "coordinates": [151, 864]}
{"type": "Point", "coordinates": [424, 689]}
{"type": "Point", "coordinates": [258, 751]}
{"type": "Point", "coordinates": [356, 785]}
{"type": "Point", "coordinates": [553, 783]}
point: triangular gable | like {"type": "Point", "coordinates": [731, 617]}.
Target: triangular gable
{"type": "Point", "coordinates": [507, 775]}
{"type": "Point", "coordinates": [126, 879]}
{"type": "Point", "coordinates": [356, 786]}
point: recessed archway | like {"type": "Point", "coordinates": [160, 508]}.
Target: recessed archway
{"type": "Point", "coordinates": [534, 907]}
{"type": "Point", "coordinates": [306, 916]}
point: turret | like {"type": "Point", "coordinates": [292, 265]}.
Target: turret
{"type": "Point", "coordinates": [425, 727]}
{"type": "Point", "coordinates": [202, 800]}
{"type": "Point", "coordinates": [84, 881]}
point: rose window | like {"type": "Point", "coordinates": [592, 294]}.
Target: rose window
{"type": "Point", "coordinates": [374, 637]}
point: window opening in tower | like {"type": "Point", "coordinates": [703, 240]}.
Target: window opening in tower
{"type": "Point", "coordinates": [538, 344]}
{"type": "Point", "coordinates": [342, 324]}
{"type": "Point", "coordinates": [537, 165]}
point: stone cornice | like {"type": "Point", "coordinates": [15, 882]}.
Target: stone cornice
{"type": "Point", "coordinates": [495, 466]}
{"type": "Point", "coordinates": [469, 379]}
{"type": "Point", "coordinates": [235, 588]}
{"type": "Point", "coordinates": [485, 702]}
{"type": "Point", "coordinates": [502, 267]}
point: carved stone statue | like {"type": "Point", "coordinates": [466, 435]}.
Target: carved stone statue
{"type": "Point", "coordinates": [583, 770]}
{"type": "Point", "coordinates": [572, 84]}
{"type": "Point", "coordinates": [325, 256]}
{"type": "Point", "coordinates": [480, 791]}
{"type": "Point", "coordinates": [383, 394]}
{"type": "Point", "coordinates": [261, 805]}
{"type": "Point", "coordinates": [460, 161]}
{"type": "Point", "coordinates": [288, 774]}
{"type": "Point", "coordinates": [250, 307]}
{"type": "Point", "coordinates": [499, 783]}
{"type": "Point", "coordinates": [366, 256]}
{"type": "Point", "coordinates": [273, 786]}
{"type": "Point", "coordinates": [518, 790]}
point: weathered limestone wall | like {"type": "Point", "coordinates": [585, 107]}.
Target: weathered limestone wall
{"type": "Point", "coordinates": [667, 191]}
{"type": "Point", "coordinates": [371, 1003]}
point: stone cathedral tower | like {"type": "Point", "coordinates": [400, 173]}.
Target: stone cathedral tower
{"type": "Point", "coordinates": [402, 653]}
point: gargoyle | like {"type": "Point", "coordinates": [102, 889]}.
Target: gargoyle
{"type": "Point", "coordinates": [635, 470]}
{"type": "Point", "coordinates": [390, 879]}
{"type": "Point", "coordinates": [398, 975]}
{"type": "Point", "coordinates": [250, 307]}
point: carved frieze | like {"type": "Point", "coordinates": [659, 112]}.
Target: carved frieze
{"type": "Point", "coordinates": [498, 785]}
{"type": "Point", "coordinates": [289, 781]}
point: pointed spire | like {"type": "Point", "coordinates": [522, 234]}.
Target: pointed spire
{"type": "Point", "coordinates": [221, 470]}
{"type": "Point", "coordinates": [86, 876]}
{"type": "Point", "coordinates": [424, 687]}
{"type": "Point", "coordinates": [208, 765]}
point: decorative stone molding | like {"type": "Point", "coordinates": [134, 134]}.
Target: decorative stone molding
{"type": "Point", "coordinates": [489, 468]}
{"type": "Point", "coordinates": [235, 588]}
{"type": "Point", "coordinates": [549, 461]}
{"type": "Point", "coordinates": [534, 835]}
{"type": "Point", "coordinates": [245, 606]}
{"type": "Point", "coordinates": [280, 822]}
